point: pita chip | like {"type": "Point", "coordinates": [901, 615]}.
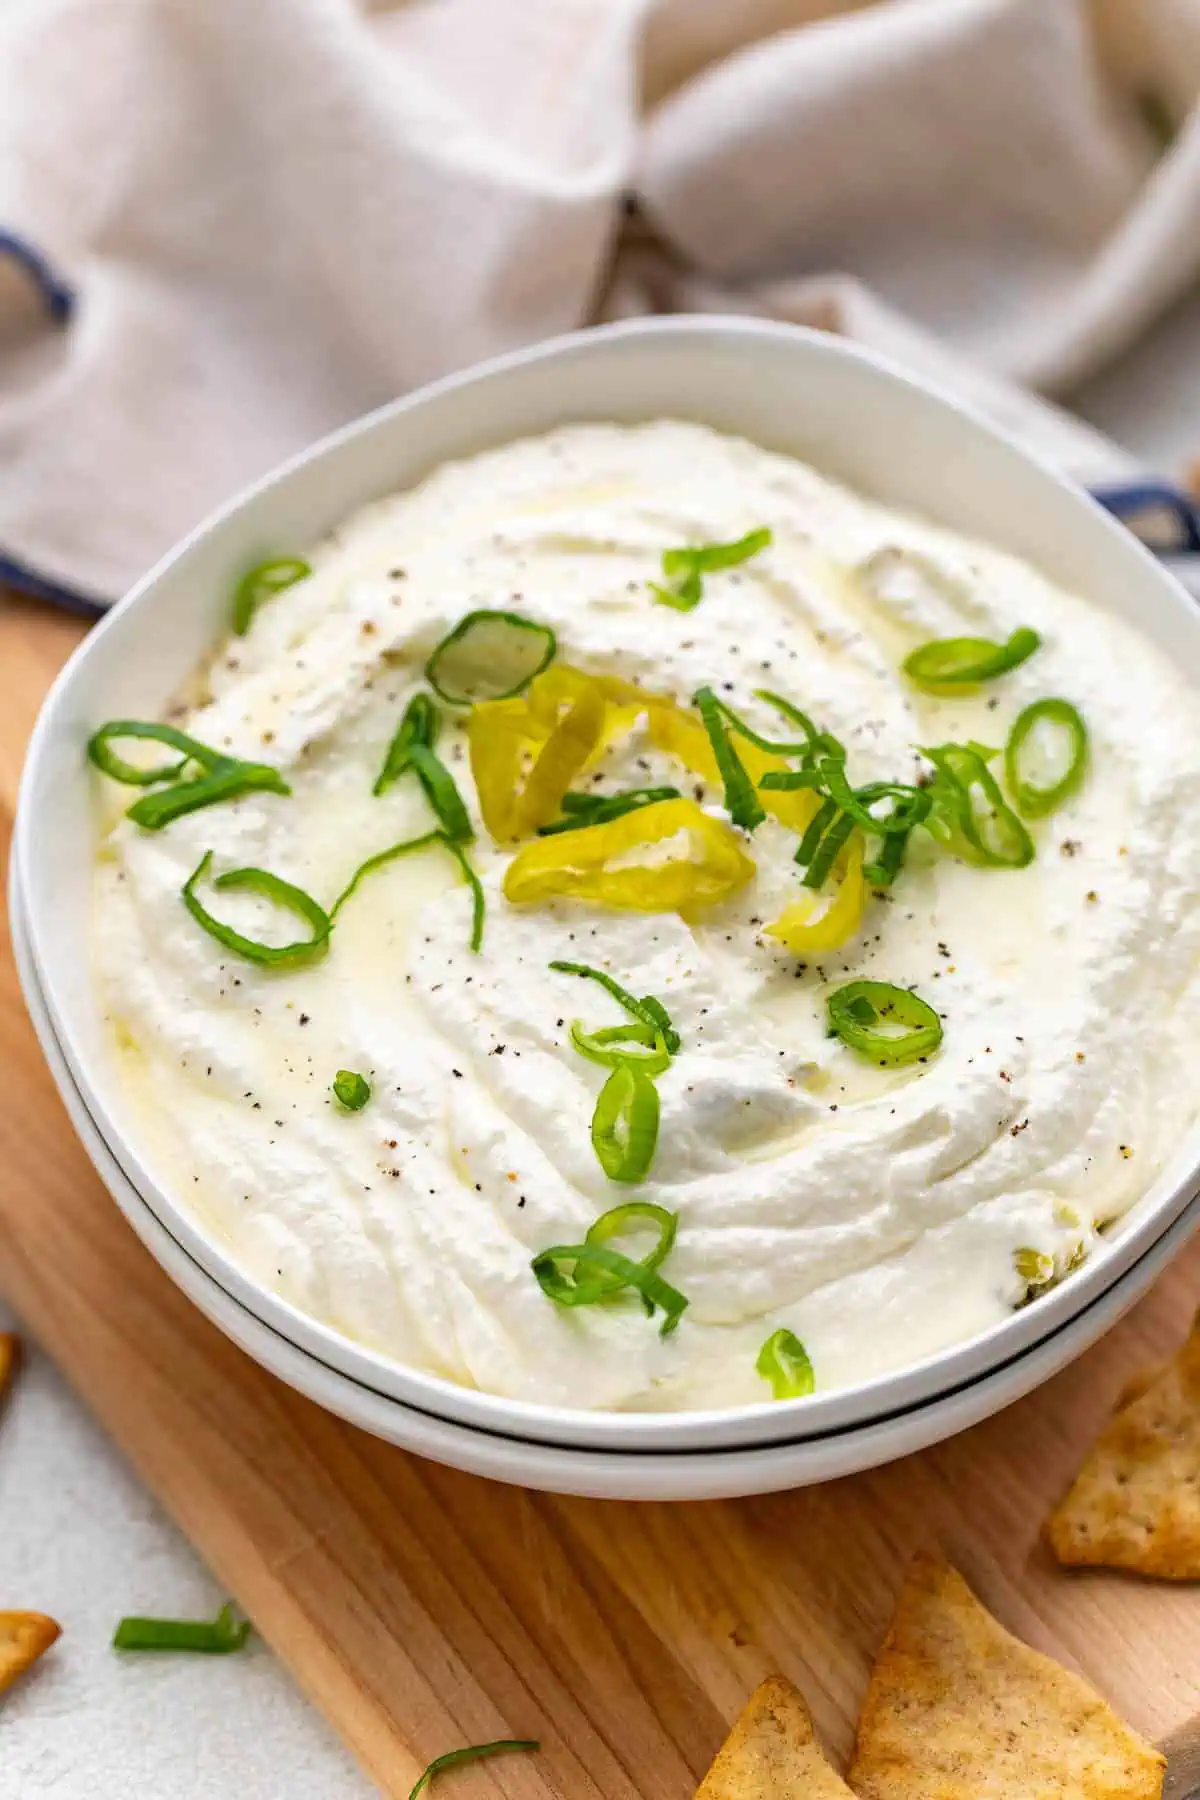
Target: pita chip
{"type": "Point", "coordinates": [771, 1753]}
{"type": "Point", "coordinates": [958, 1708]}
{"type": "Point", "coordinates": [1135, 1503]}
{"type": "Point", "coordinates": [24, 1636]}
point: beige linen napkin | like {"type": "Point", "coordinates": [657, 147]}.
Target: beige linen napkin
{"type": "Point", "coordinates": [270, 215]}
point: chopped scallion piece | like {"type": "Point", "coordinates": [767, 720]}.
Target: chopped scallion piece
{"type": "Point", "coordinates": [783, 1361]}
{"type": "Point", "coordinates": [1025, 757]}
{"type": "Point", "coordinates": [489, 655]}
{"type": "Point", "coordinates": [590, 1273]}
{"type": "Point", "coordinates": [969, 815]}
{"type": "Point", "coordinates": [650, 1011]}
{"type": "Point", "coordinates": [888, 1025]}
{"type": "Point", "coordinates": [469, 1753]}
{"type": "Point", "coordinates": [962, 661]}
{"type": "Point", "coordinates": [351, 1090]}
{"type": "Point", "coordinates": [597, 809]}
{"type": "Point", "coordinates": [271, 887]}
{"type": "Point", "coordinates": [625, 1124]}
{"type": "Point", "coordinates": [413, 748]}
{"type": "Point", "coordinates": [224, 777]}
{"type": "Point", "coordinates": [685, 568]}
{"type": "Point", "coordinates": [741, 799]}
{"type": "Point", "coordinates": [261, 583]}
{"type": "Point", "coordinates": [211, 1637]}
{"type": "Point", "coordinates": [613, 1045]}
{"type": "Point", "coordinates": [407, 847]}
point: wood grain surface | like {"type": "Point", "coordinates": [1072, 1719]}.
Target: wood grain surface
{"type": "Point", "coordinates": [421, 1608]}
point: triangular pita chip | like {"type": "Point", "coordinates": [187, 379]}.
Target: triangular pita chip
{"type": "Point", "coordinates": [23, 1638]}
{"type": "Point", "coordinates": [1135, 1504]}
{"type": "Point", "coordinates": [958, 1709]}
{"type": "Point", "coordinates": [771, 1753]}
{"type": "Point", "coordinates": [10, 1350]}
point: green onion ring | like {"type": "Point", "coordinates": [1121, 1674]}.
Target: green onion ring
{"type": "Point", "coordinates": [351, 1090]}
{"type": "Point", "coordinates": [420, 724]}
{"type": "Point", "coordinates": [261, 583]}
{"type": "Point", "coordinates": [587, 1274]}
{"type": "Point", "coordinates": [225, 776]}
{"type": "Point", "coordinates": [857, 1010]}
{"type": "Point", "coordinates": [153, 811]}
{"type": "Point", "coordinates": [741, 799]}
{"type": "Point", "coordinates": [1033, 800]}
{"type": "Point", "coordinates": [994, 837]}
{"type": "Point", "coordinates": [777, 746]}
{"type": "Point", "coordinates": [603, 1046]}
{"type": "Point", "coordinates": [437, 674]}
{"type": "Point", "coordinates": [109, 763]}
{"type": "Point", "coordinates": [627, 1217]}
{"type": "Point", "coordinates": [406, 848]}
{"type": "Point", "coordinates": [650, 1011]}
{"type": "Point", "coordinates": [962, 661]}
{"type": "Point", "coordinates": [212, 1637]}
{"type": "Point", "coordinates": [625, 1124]}
{"type": "Point", "coordinates": [684, 567]}
{"type": "Point", "coordinates": [783, 1361]}
{"type": "Point", "coordinates": [599, 809]}
{"type": "Point", "coordinates": [272, 887]}
{"type": "Point", "coordinates": [468, 1753]}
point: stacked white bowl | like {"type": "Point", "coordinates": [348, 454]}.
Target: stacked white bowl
{"type": "Point", "coordinates": [817, 397]}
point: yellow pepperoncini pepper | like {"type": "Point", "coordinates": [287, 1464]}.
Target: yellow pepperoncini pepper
{"type": "Point", "coordinates": [805, 929]}
{"type": "Point", "coordinates": [579, 864]}
{"type": "Point", "coordinates": [526, 752]}
{"type": "Point", "coordinates": [682, 734]}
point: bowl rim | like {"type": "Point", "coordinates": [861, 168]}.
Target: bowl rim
{"type": "Point", "coordinates": [611, 1473]}
{"type": "Point", "coordinates": [758, 1423]}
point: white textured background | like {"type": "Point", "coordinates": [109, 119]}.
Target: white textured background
{"type": "Point", "coordinates": [80, 1538]}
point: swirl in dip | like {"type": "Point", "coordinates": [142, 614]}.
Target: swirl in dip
{"type": "Point", "coordinates": [879, 1213]}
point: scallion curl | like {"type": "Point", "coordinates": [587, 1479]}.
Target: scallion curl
{"type": "Point", "coordinates": [1037, 799]}
{"type": "Point", "coordinates": [261, 583]}
{"type": "Point", "coordinates": [271, 887]}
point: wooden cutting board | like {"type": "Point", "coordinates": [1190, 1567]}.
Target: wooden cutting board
{"type": "Point", "coordinates": [422, 1609]}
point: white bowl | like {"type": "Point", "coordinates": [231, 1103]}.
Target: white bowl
{"type": "Point", "coordinates": [816, 396]}
{"type": "Point", "coordinates": [645, 1474]}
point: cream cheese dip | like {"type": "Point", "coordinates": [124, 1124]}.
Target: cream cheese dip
{"type": "Point", "coordinates": [880, 1214]}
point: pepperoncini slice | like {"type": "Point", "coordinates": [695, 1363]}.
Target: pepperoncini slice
{"type": "Point", "coordinates": [526, 752]}
{"type": "Point", "coordinates": [682, 734]}
{"type": "Point", "coordinates": [807, 925]}
{"type": "Point", "coordinates": [601, 862]}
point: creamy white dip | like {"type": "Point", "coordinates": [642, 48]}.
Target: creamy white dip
{"type": "Point", "coordinates": [875, 1213]}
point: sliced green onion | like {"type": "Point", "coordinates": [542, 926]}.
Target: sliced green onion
{"type": "Point", "coordinates": [212, 1637]}
{"type": "Point", "coordinates": [786, 781]}
{"type": "Point", "coordinates": [469, 1753]}
{"type": "Point", "coordinates": [225, 776]}
{"type": "Point", "coordinates": [741, 800]}
{"type": "Point", "coordinates": [106, 759]}
{"type": "Point", "coordinates": [625, 1124]}
{"type": "Point", "coordinates": [1033, 797]}
{"type": "Point", "coordinates": [986, 831]}
{"type": "Point", "coordinates": [685, 568]}
{"type": "Point", "coordinates": [413, 748]}
{"type": "Point", "coordinates": [777, 746]}
{"type": "Point", "coordinates": [783, 1361]}
{"type": "Point", "coordinates": [351, 1090]}
{"type": "Point", "coordinates": [884, 867]}
{"type": "Point", "coordinates": [650, 1011]}
{"type": "Point", "coordinates": [611, 1046]}
{"type": "Point", "coordinates": [261, 583]}
{"type": "Point", "coordinates": [828, 850]}
{"type": "Point", "coordinates": [420, 724]}
{"type": "Point", "coordinates": [271, 887]}
{"type": "Point", "coordinates": [153, 811]}
{"type": "Point", "coordinates": [632, 1216]}
{"type": "Point", "coordinates": [889, 1025]}
{"type": "Point", "coordinates": [961, 661]}
{"type": "Point", "coordinates": [590, 1274]}
{"type": "Point", "coordinates": [489, 655]}
{"type": "Point", "coordinates": [406, 848]}
{"type": "Point", "coordinates": [599, 809]}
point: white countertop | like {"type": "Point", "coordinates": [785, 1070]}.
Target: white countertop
{"type": "Point", "coordinates": [82, 1540]}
